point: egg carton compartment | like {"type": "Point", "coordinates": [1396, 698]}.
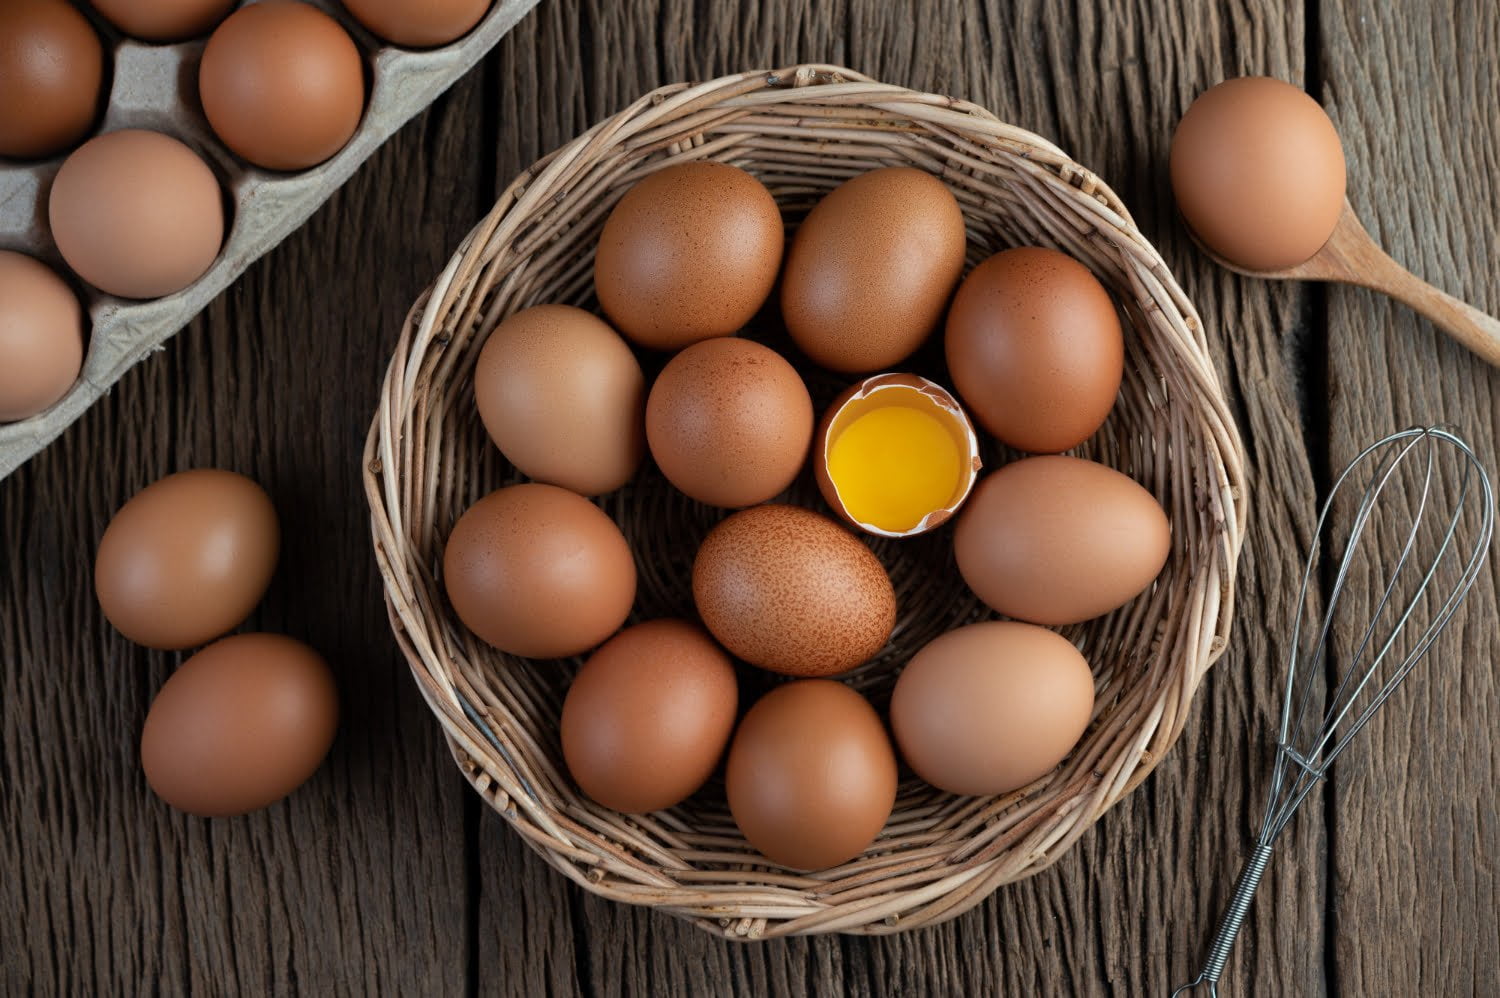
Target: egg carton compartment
{"type": "Point", "coordinates": [155, 87]}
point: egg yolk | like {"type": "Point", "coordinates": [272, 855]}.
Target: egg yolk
{"type": "Point", "coordinates": [894, 465]}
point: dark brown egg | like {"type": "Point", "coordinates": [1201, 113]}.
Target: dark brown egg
{"type": "Point", "coordinates": [240, 725]}
{"type": "Point", "coordinates": [1035, 349]}
{"type": "Point", "coordinates": [51, 70]}
{"type": "Point", "coordinates": [729, 422]}
{"type": "Point", "coordinates": [1056, 540]}
{"type": "Point", "coordinates": [164, 20]}
{"type": "Point", "coordinates": [811, 777]}
{"type": "Point", "coordinates": [792, 591]}
{"type": "Point", "coordinates": [539, 571]}
{"type": "Point", "coordinates": [647, 717]}
{"type": "Point", "coordinates": [41, 336]}
{"type": "Point", "coordinates": [282, 84]}
{"type": "Point", "coordinates": [871, 268]}
{"type": "Point", "coordinates": [689, 253]}
{"type": "Point", "coordinates": [418, 23]}
{"type": "Point", "coordinates": [187, 558]}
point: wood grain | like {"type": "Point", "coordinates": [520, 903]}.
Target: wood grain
{"type": "Point", "coordinates": [385, 875]}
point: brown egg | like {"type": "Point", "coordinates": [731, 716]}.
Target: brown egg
{"type": "Point", "coordinates": [563, 398]}
{"type": "Point", "coordinates": [187, 558]}
{"type": "Point", "coordinates": [811, 777]}
{"type": "Point", "coordinates": [791, 591]}
{"type": "Point", "coordinates": [538, 571]}
{"type": "Point", "coordinates": [1034, 347]}
{"type": "Point", "coordinates": [729, 422]}
{"type": "Point", "coordinates": [164, 20]}
{"type": "Point", "coordinates": [41, 336]}
{"type": "Point", "coordinates": [895, 455]}
{"type": "Point", "coordinates": [1056, 540]}
{"type": "Point", "coordinates": [871, 268]}
{"type": "Point", "coordinates": [648, 716]}
{"type": "Point", "coordinates": [136, 214]}
{"type": "Point", "coordinates": [689, 253]}
{"type": "Point", "coordinates": [51, 72]}
{"type": "Point", "coordinates": [282, 84]}
{"type": "Point", "coordinates": [418, 23]}
{"type": "Point", "coordinates": [240, 725]}
{"type": "Point", "coordinates": [1258, 171]}
{"type": "Point", "coordinates": [991, 707]}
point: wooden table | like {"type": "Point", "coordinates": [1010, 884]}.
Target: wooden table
{"type": "Point", "coordinates": [385, 875]}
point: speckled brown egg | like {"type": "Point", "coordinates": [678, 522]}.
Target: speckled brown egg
{"type": "Point", "coordinates": [51, 72]}
{"type": "Point", "coordinates": [988, 708]}
{"type": "Point", "coordinates": [240, 725]}
{"type": "Point", "coordinates": [1035, 349]}
{"type": "Point", "coordinates": [811, 777]}
{"type": "Point", "coordinates": [563, 397]}
{"type": "Point", "coordinates": [41, 336]}
{"type": "Point", "coordinates": [164, 20]}
{"type": "Point", "coordinates": [1056, 540]}
{"type": "Point", "coordinates": [1258, 171]}
{"type": "Point", "coordinates": [647, 717]}
{"type": "Point", "coordinates": [187, 558]}
{"type": "Point", "coordinates": [871, 268]}
{"type": "Point", "coordinates": [539, 571]}
{"type": "Point", "coordinates": [418, 23]}
{"type": "Point", "coordinates": [791, 591]}
{"type": "Point", "coordinates": [729, 422]}
{"type": "Point", "coordinates": [689, 253]}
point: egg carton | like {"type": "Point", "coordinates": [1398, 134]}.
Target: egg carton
{"type": "Point", "coordinates": [156, 87]}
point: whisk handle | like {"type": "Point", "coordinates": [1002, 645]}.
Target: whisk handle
{"type": "Point", "coordinates": [1234, 918]}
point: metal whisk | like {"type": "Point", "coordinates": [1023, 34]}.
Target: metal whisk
{"type": "Point", "coordinates": [1312, 737]}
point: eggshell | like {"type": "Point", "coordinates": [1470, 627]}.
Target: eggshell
{"type": "Point", "coordinates": [418, 23]}
{"type": "Point", "coordinates": [563, 398]}
{"type": "Point", "coordinates": [164, 20]}
{"type": "Point", "coordinates": [1035, 349]}
{"type": "Point", "coordinates": [647, 717]}
{"type": "Point", "coordinates": [811, 777]}
{"type": "Point", "coordinates": [136, 214]}
{"type": "Point", "coordinates": [689, 253]}
{"type": "Point", "coordinates": [871, 268]}
{"type": "Point", "coordinates": [729, 422]}
{"type": "Point", "coordinates": [51, 72]}
{"type": "Point", "coordinates": [282, 84]}
{"type": "Point", "coordinates": [991, 707]}
{"type": "Point", "coordinates": [1056, 540]}
{"type": "Point", "coordinates": [41, 336]}
{"type": "Point", "coordinates": [538, 571]}
{"type": "Point", "coordinates": [187, 558]}
{"type": "Point", "coordinates": [239, 725]}
{"type": "Point", "coordinates": [1258, 171]}
{"type": "Point", "coordinates": [793, 592]}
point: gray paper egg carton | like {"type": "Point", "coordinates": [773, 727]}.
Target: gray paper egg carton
{"type": "Point", "coordinates": [156, 87]}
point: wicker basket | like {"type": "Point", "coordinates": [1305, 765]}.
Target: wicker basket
{"type": "Point", "coordinates": [802, 131]}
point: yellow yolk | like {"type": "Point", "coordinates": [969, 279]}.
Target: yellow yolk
{"type": "Point", "coordinates": [894, 465]}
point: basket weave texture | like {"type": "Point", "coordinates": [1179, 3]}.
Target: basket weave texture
{"type": "Point", "coordinates": [802, 131]}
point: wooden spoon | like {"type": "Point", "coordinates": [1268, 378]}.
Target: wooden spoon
{"type": "Point", "coordinates": [1351, 257]}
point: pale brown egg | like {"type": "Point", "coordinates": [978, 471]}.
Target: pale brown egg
{"type": "Point", "coordinates": [418, 23]}
{"type": "Point", "coordinates": [729, 422]}
{"type": "Point", "coordinates": [563, 398]}
{"type": "Point", "coordinates": [1258, 171]}
{"type": "Point", "coordinates": [41, 336]}
{"type": "Point", "coordinates": [1057, 540]}
{"type": "Point", "coordinates": [811, 776]}
{"type": "Point", "coordinates": [647, 717]}
{"type": "Point", "coordinates": [1035, 349]}
{"type": "Point", "coordinates": [136, 214]}
{"type": "Point", "coordinates": [187, 558]}
{"type": "Point", "coordinates": [282, 84]}
{"type": "Point", "coordinates": [870, 269]}
{"type": "Point", "coordinates": [990, 707]}
{"type": "Point", "coordinates": [791, 591]}
{"type": "Point", "coordinates": [240, 725]}
{"type": "Point", "coordinates": [689, 253]}
{"type": "Point", "coordinates": [539, 571]}
{"type": "Point", "coordinates": [51, 74]}
{"type": "Point", "coordinates": [164, 20]}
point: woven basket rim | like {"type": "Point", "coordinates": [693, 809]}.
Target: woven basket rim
{"type": "Point", "coordinates": [873, 894]}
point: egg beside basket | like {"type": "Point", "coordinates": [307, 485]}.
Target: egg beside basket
{"type": "Point", "coordinates": [802, 131]}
